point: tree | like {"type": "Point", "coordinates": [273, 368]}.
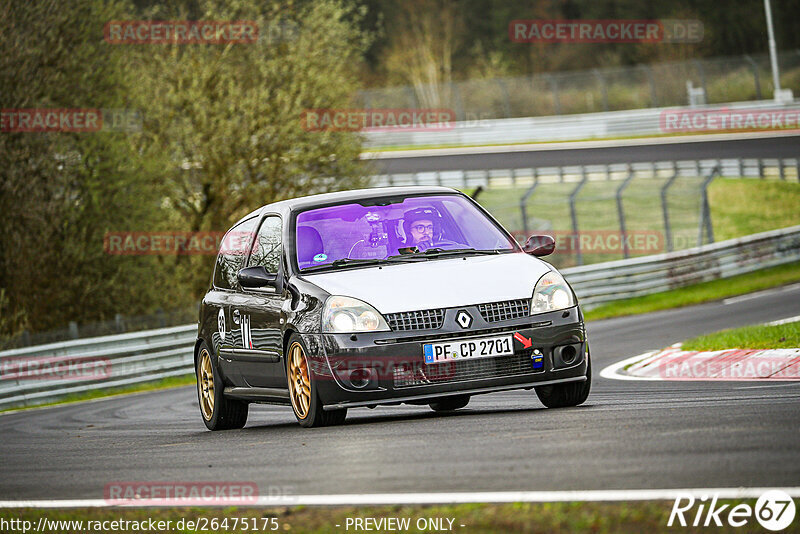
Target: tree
{"type": "Point", "coordinates": [228, 117]}
{"type": "Point", "coordinates": [61, 191]}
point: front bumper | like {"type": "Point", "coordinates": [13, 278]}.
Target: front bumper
{"type": "Point", "coordinates": [389, 367]}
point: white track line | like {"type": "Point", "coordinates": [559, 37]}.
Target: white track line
{"type": "Point", "coordinates": [757, 294]}
{"type": "Point", "coordinates": [788, 320]}
{"type": "Point", "coordinates": [359, 499]}
{"type": "Point", "coordinates": [611, 372]}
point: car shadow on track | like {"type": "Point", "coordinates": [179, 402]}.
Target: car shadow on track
{"type": "Point", "coordinates": [364, 417]}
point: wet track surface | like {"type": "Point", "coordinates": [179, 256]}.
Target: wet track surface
{"type": "Point", "coordinates": [628, 435]}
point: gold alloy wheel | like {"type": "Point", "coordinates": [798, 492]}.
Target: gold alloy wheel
{"type": "Point", "coordinates": [299, 382]}
{"type": "Point", "coordinates": [205, 385]}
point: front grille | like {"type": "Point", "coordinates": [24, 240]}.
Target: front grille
{"type": "Point", "coordinates": [416, 320]}
{"type": "Point", "coordinates": [503, 311]}
{"type": "Point", "coordinates": [419, 373]}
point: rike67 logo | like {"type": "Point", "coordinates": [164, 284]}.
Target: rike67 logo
{"type": "Point", "coordinates": [774, 510]}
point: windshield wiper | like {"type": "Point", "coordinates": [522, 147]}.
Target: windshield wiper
{"type": "Point", "coordinates": [342, 262]}
{"type": "Point", "coordinates": [436, 251]}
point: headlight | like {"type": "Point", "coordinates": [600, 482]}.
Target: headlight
{"type": "Point", "coordinates": [345, 315]}
{"type": "Point", "coordinates": [551, 293]}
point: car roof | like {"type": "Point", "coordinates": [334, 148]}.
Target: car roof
{"type": "Point", "coordinates": [324, 199]}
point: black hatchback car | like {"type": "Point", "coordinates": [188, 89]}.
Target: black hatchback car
{"type": "Point", "coordinates": [410, 295]}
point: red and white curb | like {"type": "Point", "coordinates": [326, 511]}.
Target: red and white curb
{"type": "Point", "coordinates": [733, 364]}
{"type": "Point", "coordinates": [674, 363]}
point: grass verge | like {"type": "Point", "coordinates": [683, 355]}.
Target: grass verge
{"type": "Point", "coordinates": [544, 518]}
{"type": "Point", "coordinates": [784, 336]}
{"type": "Point", "coordinates": [164, 383]}
{"type": "Point", "coordinates": [737, 210]}
{"type": "Point", "coordinates": [698, 293]}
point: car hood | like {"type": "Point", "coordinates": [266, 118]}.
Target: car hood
{"type": "Point", "coordinates": [437, 283]}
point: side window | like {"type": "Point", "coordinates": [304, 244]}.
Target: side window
{"type": "Point", "coordinates": [267, 248]}
{"type": "Point", "coordinates": [232, 252]}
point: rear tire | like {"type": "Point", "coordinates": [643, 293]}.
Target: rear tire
{"type": "Point", "coordinates": [218, 412]}
{"type": "Point", "coordinates": [565, 395]}
{"type": "Point", "coordinates": [448, 404]}
{"type": "Point", "coordinates": [306, 404]}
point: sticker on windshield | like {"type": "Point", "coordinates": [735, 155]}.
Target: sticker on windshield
{"type": "Point", "coordinates": [320, 257]}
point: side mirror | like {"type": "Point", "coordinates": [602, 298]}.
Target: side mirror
{"type": "Point", "coordinates": [255, 277]}
{"type": "Point", "coordinates": [540, 245]}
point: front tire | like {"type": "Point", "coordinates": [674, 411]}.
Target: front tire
{"type": "Point", "coordinates": [570, 394]}
{"type": "Point", "coordinates": [305, 400]}
{"type": "Point", "coordinates": [218, 412]}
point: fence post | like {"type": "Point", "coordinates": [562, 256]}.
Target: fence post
{"type": "Point", "coordinates": [506, 99]}
{"type": "Point", "coordinates": [797, 167]}
{"type": "Point", "coordinates": [457, 101]}
{"type": "Point", "coordinates": [603, 87]}
{"type": "Point", "coordinates": [651, 79]}
{"type": "Point", "coordinates": [702, 72]}
{"type": "Point", "coordinates": [665, 207]}
{"type": "Point", "coordinates": [574, 216]}
{"type": "Point", "coordinates": [621, 212]}
{"type": "Point", "coordinates": [705, 213]}
{"type": "Point", "coordinates": [412, 97]}
{"type": "Point", "coordinates": [554, 88]}
{"type": "Point", "coordinates": [780, 169]}
{"type": "Point", "coordinates": [741, 168]}
{"type": "Point", "coordinates": [523, 210]}
{"type": "Point", "coordinates": [760, 168]}
{"type": "Point", "coordinates": [756, 79]}
{"type": "Point", "coordinates": [73, 330]}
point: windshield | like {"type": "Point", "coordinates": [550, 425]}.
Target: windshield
{"type": "Point", "coordinates": [398, 228]}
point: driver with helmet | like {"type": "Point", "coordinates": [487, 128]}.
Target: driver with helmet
{"type": "Point", "coordinates": [423, 228]}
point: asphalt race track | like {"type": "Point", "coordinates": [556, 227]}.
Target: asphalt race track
{"type": "Point", "coordinates": [629, 434]}
{"type": "Point", "coordinates": [756, 147]}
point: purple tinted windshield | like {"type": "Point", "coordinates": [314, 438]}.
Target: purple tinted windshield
{"type": "Point", "coordinates": [405, 226]}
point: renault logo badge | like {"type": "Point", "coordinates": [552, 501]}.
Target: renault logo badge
{"type": "Point", "coordinates": [464, 319]}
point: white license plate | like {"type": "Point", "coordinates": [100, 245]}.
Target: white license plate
{"type": "Point", "coordinates": [486, 347]}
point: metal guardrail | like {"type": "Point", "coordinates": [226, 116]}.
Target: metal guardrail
{"type": "Point", "coordinates": [673, 83]}
{"type": "Point", "coordinates": [779, 168]}
{"type": "Point", "coordinates": [633, 122]}
{"type": "Point", "coordinates": [104, 362]}
{"type": "Point", "coordinates": [606, 282]}
{"type": "Point", "coordinates": [151, 355]}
